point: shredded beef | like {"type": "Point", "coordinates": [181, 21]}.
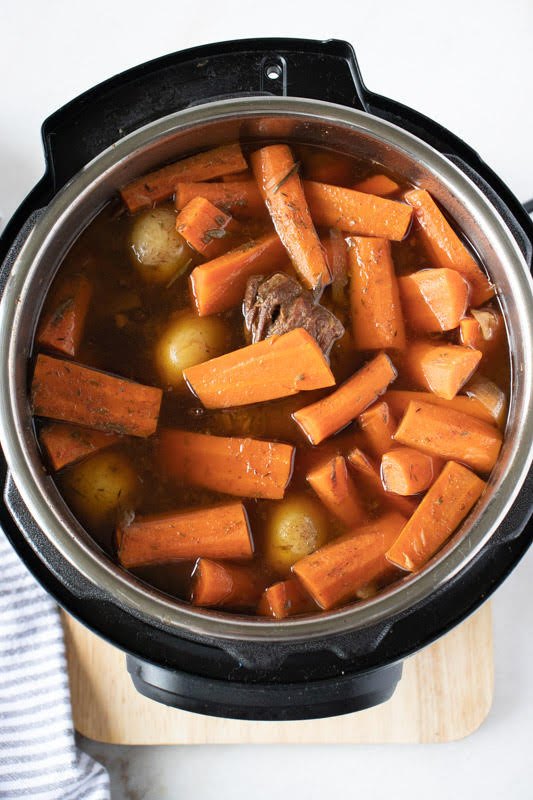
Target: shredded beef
{"type": "Point", "coordinates": [277, 304]}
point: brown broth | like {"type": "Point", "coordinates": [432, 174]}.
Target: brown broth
{"type": "Point", "coordinates": [127, 317]}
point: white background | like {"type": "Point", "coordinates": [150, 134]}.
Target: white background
{"type": "Point", "coordinates": [468, 65]}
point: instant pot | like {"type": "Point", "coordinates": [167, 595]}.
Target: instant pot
{"type": "Point", "coordinates": [202, 660]}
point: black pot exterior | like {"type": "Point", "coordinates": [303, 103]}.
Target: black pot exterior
{"type": "Point", "coordinates": [324, 677]}
{"type": "Point", "coordinates": [265, 701]}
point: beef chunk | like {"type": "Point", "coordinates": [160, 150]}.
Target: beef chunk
{"type": "Point", "coordinates": [277, 304]}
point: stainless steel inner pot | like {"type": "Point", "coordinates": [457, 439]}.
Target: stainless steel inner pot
{"type": "Point", "coordinates": [167, 139]}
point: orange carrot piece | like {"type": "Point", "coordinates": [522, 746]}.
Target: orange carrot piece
{"type": "Point", "coordinates": [379, 427]}
{"type": "Point", "coordinates": [245, 175]}
{"type": "Point", "coordinates": [149, 189]}
{"type": "Point", "coordinates": [333, 574]}
{"type": "Point", "coordinates": [218, 532]}
{"type": "Point", "coordinates": [381, 185]}
{"type": "Point", "coordinates": [370, 475]}
{"type": "Point", "coordinates": [406, 471]}
{"type": "Point", "coordinates": [337, 491]}
{"type": "Point", "coordinates": [398, 401]}
{"type": "Point", "coordinates": [490, 395]}
{"type": "Point", "coordinates": [357, 212]}
{"type": "Point", "coordinates": [444, 246]}
{"type": "Point", "coordinates": [336, 249]}
{"type": "Point", "coordinates": [434, 300]}
{"type": "Point", "coordinates": [441, 368]}
{"type": "Point", "coordinates": [241, 199]}
{"type": "Point", "coordinates": [322, 419]}
{"type": "Point", "coordinates": [71, 392]}
{"type": "Point", "coordinates": [309, 458]}
{"type": "Point", "coordinates": [275, 367]}
{"type": "Point", "coordinates": [470, 333]}
{"type": "Point", "coordinates": [220, 284]}
{"type": "Point", "coordinates": [242, 467]}
{"type": "Point", "coordinates": [326, 167]}
{"type": "Point", "coordinates": [61, 326]}
{"type": "Point", "coordinates": [377, 318]}
{"type": "Point", "coordinates": [443, 508]}
{"type": "Point", "coordinates": [206, 228]}
{"type": "Point", "coordinates": [280, 185]}
{"type": "Point", "coordinates": [227, 585]}
{"type": "Point", "coordinates": [285, 599]}
{"type": "Point", "coordinates": [64, 444]}
{"type": "Point", "coordinates": [450, 434]}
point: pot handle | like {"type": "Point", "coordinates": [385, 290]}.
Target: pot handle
{"type": "Point", "coordinates": [76, 133]}
{"type": "Point", "coordinates": [256, 701]}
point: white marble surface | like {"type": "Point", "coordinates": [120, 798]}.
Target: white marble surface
{"type": "Point", "coordinates": [470, 66]}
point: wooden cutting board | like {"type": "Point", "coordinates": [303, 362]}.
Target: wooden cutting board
{"type": "Point", "coordinates": [445, 694]}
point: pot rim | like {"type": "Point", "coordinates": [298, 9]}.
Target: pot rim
{"type": "Point", "coordinates": [68, 536]}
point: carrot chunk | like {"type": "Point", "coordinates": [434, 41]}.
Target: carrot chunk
{"type": "Point", "coordinates": [285, 599]}
{"type": "Point", "coordinates": [275, 367]}
{"type": "Point", "coordinates": [446, 504]}
{"type": "Point", "coordinates": [309, 458]}
{"type": "Point", "coordinates": [444, 246]}
{"type": "Point", "coordinates": [325, 166]}
{"type": "Point", "coordinates": [206, 228]}
{"type": "Point", "coordinates": [220, 284]}
{"type": "Point", "coordinates": [381, 185]}
{"type": "Point", "coordinates": [470, 333]}
{"type": "Point", "coordinates": [71, 392]}
{"type": "Point", "coordinates": [379, 427]}
{"type": "Point", "coordinates": [241, 199]}
{"type": "Point", "coordinates": [337, 491]}
{"type": "Point", "coordinates": [368, 473]}
{"type": "Point", "coordinates": [280, 185]}
{"type": "Point", "coordinates": [217, 532]}
{"type": "Point", "coordinates": [357, 212]}
{"type": "Point", "coordinates": [450, 434]}
{"type": "Point", "coordinates": [64, 444]}
{"type": "Point", "coordinates": [406, 471]}
{"type": "Point", "coordinates": [333, 574]}
{"type": "Point", "coordinates": [160, 185]}
{"type": "Point", "coordinates": [242, 467]}
{"type": "Point", "coordinates": [336, 251]}
{"type": "Point", "coordinates": [61, 326]}
{"type": "Point", "coordinates": [327, 416]}
{"type": "Point", "coordinates": [227, 585]}
{"type": "Point", "coordinates": [398, 401]}
{"type": "Point", "coordinates": [441, 368]}
{"type": "Point", "coordinates": [377, 318]}
{"type": "Point", "coordinates": [434, 300]}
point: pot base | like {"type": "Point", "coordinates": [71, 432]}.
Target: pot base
{"type": "Point", "coordinates": [256, 701]}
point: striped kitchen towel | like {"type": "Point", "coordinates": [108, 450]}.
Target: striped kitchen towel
{"type": "Point", "coordinates": [38, 754]}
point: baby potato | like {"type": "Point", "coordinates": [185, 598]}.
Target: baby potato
{"type": "Point", "coordinates": [189, 340]}
{"type": "Point", "coordinates": [296, 527]}
{"type": "Point", "coordinates": [102, 486]}
{"type": "Point", "coordinates": [159, 252]}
